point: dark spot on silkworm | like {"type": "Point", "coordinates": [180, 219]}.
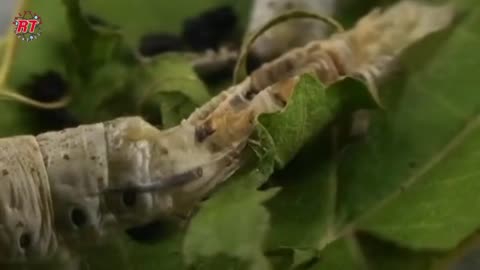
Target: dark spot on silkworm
{"type": "Point", "coordinates": [100, 179]}
{"type": "Point", "coordinates": [198, 172]}
{"type": "Point", "coordinates": [32, 170]}
{"type": "Point", "coordinates": [66, 157]}
{"type": "Point", "coordinates": [337, 62]}
{"type": "Point", "coordinates": [214, 147]}
{"type": "Point", "coordinates": [204, 131]}
{"type": "Point", "coordinates": [25, 241]}
{"type": "Point", "coordinates": [4, 172]}
{"type": "Point", "coordinates": [271, 75]}
{"type": "Point", "coordinates": [78, 217]}
{"type": "Point", "coordinates": [288, 65]}
{"type": "Point", "coordinates": [129, 197]}
{"type": "Point", "coordinates": [250, 94]}
{"type": "Point", "coordinates": [183, 178]}
{"type": "Point", "coordinates": [93, 157]}
{"type": "Point", "coordinates": [253, 62]}
{"type": "Point", "coordinates": [279, 99]}
{"type": "Point", "coordinates": [237, 102]}
{"type": "Point", "coordinates": [163, 150]}
{"type": "Point", "coordinates": [152, 232]}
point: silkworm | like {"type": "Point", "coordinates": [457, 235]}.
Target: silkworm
{"type": "Point", "coordinates": [60, 188]}
{"type": "Point", "coordinates": [290, 34]}
{"type": "Point", "coordinates": [213, 62]}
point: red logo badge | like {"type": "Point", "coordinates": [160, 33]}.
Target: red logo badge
{"type": "Point", "coordinates": [27, 26]}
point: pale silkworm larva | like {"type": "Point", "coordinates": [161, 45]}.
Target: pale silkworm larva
{"type": "Point", "coordinates": [292, 33]}
{"type": "Point", "coordinates": [214, 61]}
{"type": "Point", "coordinates": [81, 183]}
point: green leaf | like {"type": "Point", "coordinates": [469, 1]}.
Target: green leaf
{"type": "Point", "coordinates": [304, 211]}
{"type": "Point", "coordinates": [382, 255]}
{"type": "Point", "coordinates": [311, 108]}
{"type": "Point", "coordinates": [164, 91]}
{"type": "Point", "coordinates": [14, 119]}
{"type": "Point", "coordinates": [415, 178]}
{"type": "Point", "coordinates": [232, 224]}
{"type": "Point", "coordinates": [341, 255]}
{"type": "Point", "coordinates": [365, 252]}
{"type": "Point", "coordinates": [92, 47]}
{"type": "Point", "coordinates": [171, 88]}
{"type": "Point", "coordinates": [306, 114]}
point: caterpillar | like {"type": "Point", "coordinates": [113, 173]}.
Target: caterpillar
{"type": "Point", "coordinates": [291, 34]}
{"type": "Point", "coordinates": [59, 188]}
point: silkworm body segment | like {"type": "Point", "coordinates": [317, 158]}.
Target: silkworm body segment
{"type": "Point", "coordinates": [73, 186]}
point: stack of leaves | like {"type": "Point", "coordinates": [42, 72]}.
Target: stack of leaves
{"type": "Point", "coordinates": [402, 196]}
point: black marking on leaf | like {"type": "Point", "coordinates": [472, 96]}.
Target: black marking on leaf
{"type": "Point", "coordinates": [48, 87]}
{"type": "Point", "coordinates": [156, 43]}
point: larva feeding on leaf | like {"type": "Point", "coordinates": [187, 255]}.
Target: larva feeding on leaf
{"type": "Point", "coordinates": [83, 183]}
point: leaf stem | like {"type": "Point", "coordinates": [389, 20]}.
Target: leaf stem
{"type": "Point", "coordinates": [10, 94]}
